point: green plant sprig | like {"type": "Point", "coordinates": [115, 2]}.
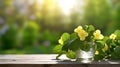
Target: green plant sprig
{"type": "Point", "coordinates": [106, 47]}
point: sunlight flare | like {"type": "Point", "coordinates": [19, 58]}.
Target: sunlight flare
{"type": "Point", "coordinates": [66, 5]}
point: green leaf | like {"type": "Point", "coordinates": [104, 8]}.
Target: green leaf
{"type": "Point", "coordinates": [71, 55]}
{"type": "Point", "coordinates": [113, 44]}
{"type": "Point", "coordinates": [99, 44]}
{"type": "Point", "coordinates": [105, 39]}
{"type": "Point", "coordinates": [98, 57]}
{"type": "Point", "coordinates": [117, 32]}
{"type": "Point", "coordinates": [72, 45]}
{"type": "Point", "coordinates": [109, 42]}
{"type": "Point", "coordinates": [85, 47]}
{"type": "Point", "coordinates": [91, 28]}
{"type": "Point", "coordinates": [65, 36]}
{"type": "Point", "coordinates": [57, 49]}
{"type": "Point", "coordinates": [73, 36]}
{"type": "Point", "coordinates": [116, 53]}
{"type": "Point", "coordinates": [85, 27]}
{"type": "Point", "coordinates": [117, 50]}
{"type": "Point", "coordinates": [67, 45]}
{"type": "Point", "coordinates": [117, 42]}
{"type": "Point", "coordinates": [75, 45]}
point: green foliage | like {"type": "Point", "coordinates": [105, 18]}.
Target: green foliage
{"type": "Point", "coordinates": [72, 42]}
{"type": "Point", "coordinates": [71, 54]}
{"type": "Point", "coordinates": [99, 44]}
{"type": "Point", "coordinates": [57, 49]}
{"type": "Point", "coordinates": [113, 46]}
{"type": "Point", "coordinates": [65, 36]}
{"type": "Point", "coordinates": [30, 34]}
{"type": "Point", "coordinates": [52, 15]}
{"type": "Point", "coordinates": [117, 32]}
{"type": "Point", "coordinates": [102, 55]}
{"type": "Point", "coordinates": [116, 53]}
{"type": "Point", "coordinates": [73, 36]}
{"type": "Point", "coordinates": [90, 29]}
{"type": "Point", "coordinates": [116, 16]}
{"type": "Point", "coordinates": [0, 39]}
{"type": "Point", "coordinates": [102, 49]}
{"type": "Point", "coordinates": [9, 37]}
{"type": "Point", "coordinates": [106, 48]}
{"type": "Point", "coordinates": [72, 45]}
{"type": "Point", "coordinates": [103, 14]}
{"type": "Point", "coordinates": [74, 18]}
{"type": "Point", "coordinates": [99, 14]}
{"type": "Point", "coordinates": [48, 35]}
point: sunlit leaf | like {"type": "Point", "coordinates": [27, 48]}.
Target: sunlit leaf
{"type": "Point", "coordinates": [65, 36]}
{"type": "Point", "coordinates": [91, 28]}
{"type": "Point", "coordinates": [71, 54]}
{"type": "Point", "coordinates": [57, 49]}
{"type": "Point", "coordinates": [73, 36]}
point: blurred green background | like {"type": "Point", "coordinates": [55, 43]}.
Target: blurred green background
{"type": "Point", "coordinates": [34, 26]}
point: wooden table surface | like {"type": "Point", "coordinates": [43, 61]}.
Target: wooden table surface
{"type": "Point", "coordinates": [43, 59]}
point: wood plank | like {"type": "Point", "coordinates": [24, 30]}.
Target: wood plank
{"type": "Point", "coordinates": [43, 59]}
{"type": "Point", "coordinates": [21, 65]}
{"type": "Point", "coordinates": [59, 65]}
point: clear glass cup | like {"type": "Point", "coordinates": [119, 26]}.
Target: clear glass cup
{"type": "Point", "coordinates": [85, 56]}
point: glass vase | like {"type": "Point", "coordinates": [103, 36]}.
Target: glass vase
{"type": "Point", "coordinates": [85, 56]}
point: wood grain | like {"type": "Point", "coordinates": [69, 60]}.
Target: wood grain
{"type": "Point", "coordinates": [43, 59]}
